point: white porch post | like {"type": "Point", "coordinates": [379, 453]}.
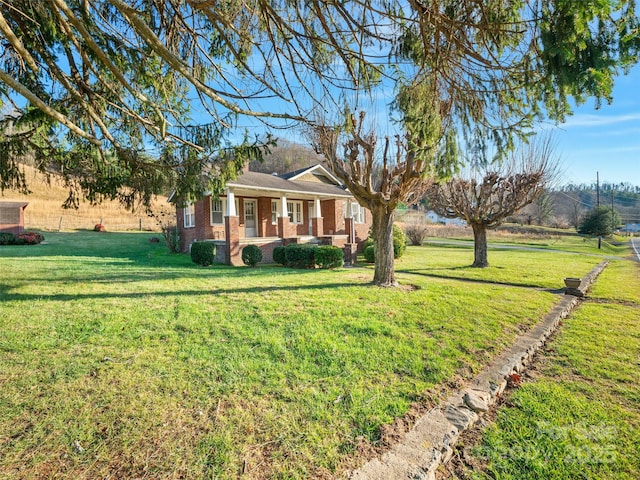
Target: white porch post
{"type": "Point", "coordinates": [316, 208]}
{"type": "Point", "coordinates": [283, 218]}
{"type": "Point", "coordinates": [231, 204]}
{"type": "Point", "coordinates": [316, 223]}
{"type": "Point", "coordinates": [348, 224]}
{"type": "Point", "coordinates": [348, 214]}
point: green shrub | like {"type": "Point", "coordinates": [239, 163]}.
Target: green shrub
{"type": "Point", "coordinates": [300, 255]}
{"type": "Point", "coordinates": [171, 237]}
{"type": "Point", "coordinates": [328, 256]}
{"type": "Point", "coordinates": [7, 238]}
{"type": "Point", "coordinates": [203, 253]}
{"type": "Point", "coordinates": [399, 245]}
{"type": "Point", "coordinates": [251, 255]}
{"type": "Point", "coordinates": [399, 242]}
{"type": "Point", "coordinates": [278, 255]}
{"type": "Point", "coordinates": [369, 253]}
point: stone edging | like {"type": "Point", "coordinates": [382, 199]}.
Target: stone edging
{"type": "Point", "coordinates": [430, 442]}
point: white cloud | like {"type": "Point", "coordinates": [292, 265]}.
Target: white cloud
{"type": "Point", "coordinates": [589, 120]}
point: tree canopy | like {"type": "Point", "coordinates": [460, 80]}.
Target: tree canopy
{"type": "Point", "coordinates": [92, 86]}
{"type": "Point", "coordinates": [119, 96]}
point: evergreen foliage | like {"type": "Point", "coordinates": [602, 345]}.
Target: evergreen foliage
{"type": "Point", "coordinates": [369, 253]}
{"type": "Point", "coordinates": [251, 255]}
{"type": "Point", "coordinates": [203, 253]}
{"type": "Point", "coordinates": [329, 256]}
{"type": "Point", "coordinates": [279, 255]}
{"type": "Point", "coordinates": [399, 242]}
{"type": "Point", "coordinates": [300, 255]}
{"type": "Point", "coordinates": [600, 222]}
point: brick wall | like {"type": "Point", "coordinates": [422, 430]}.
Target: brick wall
{"type": "Point", "coordinates": [203, 230]}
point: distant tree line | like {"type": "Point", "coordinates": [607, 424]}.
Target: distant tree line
{"type": "Point", "coordinates": [567, 206]}
{"type": "Point", "coordinates": [285, 157]}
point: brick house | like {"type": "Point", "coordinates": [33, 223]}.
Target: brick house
{"type": "Point", "coordinates": [12, 217]}
{"type": "Point", "coordinates": [306, 206]}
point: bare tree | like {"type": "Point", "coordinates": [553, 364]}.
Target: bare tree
{"type": "Point", "coordinates": [574, 210]}
{"type": "Point", "coordinates": [486, 196]}
{"type": "Point", "coordinates": [400, 177]}
{"type": "Point", "coordinates": [537, 212]}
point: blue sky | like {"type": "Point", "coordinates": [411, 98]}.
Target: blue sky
{"type": "Point", "coordinates": [591, 141]}
{"type": "Point", "coordinates": [606, 140]}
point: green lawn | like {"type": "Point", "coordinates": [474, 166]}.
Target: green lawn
{"type": "Point", "coordinates": [120, 360]}
{"type": "Point", "coordinates": [567, 243]}
{"type": "Point", "coordinates": [579, 417]}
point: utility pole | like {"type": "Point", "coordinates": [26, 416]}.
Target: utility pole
{"type": "Point", "coordinates": [598, 204]}
{"type": "Point", "coordinates": [613, 223]}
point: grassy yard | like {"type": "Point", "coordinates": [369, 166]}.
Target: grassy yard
{"type": "Point", "coordinates": [120, 360]}
{"type": "Point", "coordinates": [578, 415]}
{"type": "Point", "coordinates": [567, 243]}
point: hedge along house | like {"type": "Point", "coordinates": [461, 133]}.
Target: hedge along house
{"type": "Point", "coordinates": [306, 206]}
{"type": "Point", "coordinates": [12, 217]}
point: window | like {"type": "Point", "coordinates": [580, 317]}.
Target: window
{"type": "Point", "coordinates": [274, 212]}
{"type": "Point", "coordinates": [357, 212]}
{"type": "Point", "coordinates": [217, 212]}
{"type": "Point", "coordinates": [295, 212]}
{"type": "Point", "coordinates": [189, 216]}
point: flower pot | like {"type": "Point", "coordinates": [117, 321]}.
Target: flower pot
{"type": "Point", "coordinates": [571, 282]}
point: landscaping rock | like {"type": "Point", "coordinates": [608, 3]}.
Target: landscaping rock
{"type": "Point", "coordinates": [475, 403]}
{"type": "Point", "coordinates": [460, 417]}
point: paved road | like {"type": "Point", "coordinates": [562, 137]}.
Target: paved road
{"type": "Point", "coordinates": [635, 245]}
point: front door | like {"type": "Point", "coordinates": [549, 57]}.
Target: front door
{"type": "Point", "coordinates": [250, 222]}
{"type": "Point", "coordinates": [311, 215]}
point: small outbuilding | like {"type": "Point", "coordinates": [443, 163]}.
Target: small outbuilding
{"type": "Point", "coordinates": [12, 217]}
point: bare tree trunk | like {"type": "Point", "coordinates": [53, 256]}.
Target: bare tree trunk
{"type": "Point", "coordinates": [480, 245]}
{"type": "Point", "coordinates": [384, 274]}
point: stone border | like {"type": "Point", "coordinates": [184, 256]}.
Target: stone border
{"type": "Point", "coordinates": [430, 442]}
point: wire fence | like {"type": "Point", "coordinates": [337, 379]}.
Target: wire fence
{"type": "Point", "coordinates": [67, 222]}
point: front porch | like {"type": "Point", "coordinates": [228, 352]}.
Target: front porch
{"type": "Point", "coordinates": [287, 234]}
{"type": "Point", "coordinates": [270, 211]}
{"type": "Point", "coordinates": [267, 244]}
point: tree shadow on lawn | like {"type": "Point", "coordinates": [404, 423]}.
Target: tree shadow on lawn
{"type": "Point", "coordinates": [130, 270]}
{"type": "Point", "coordinates": [478, 280]}
{"type": "Point", "coordinates": [6, 295]}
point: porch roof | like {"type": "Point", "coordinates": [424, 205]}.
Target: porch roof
{"type": "Point", "coordinates": [263, 182]}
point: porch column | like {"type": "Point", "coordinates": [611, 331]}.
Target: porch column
{"type": "Point", "coordinates": [317, 226]}
{"type": "Point", "coordinates": [348, 224]}
{"type": "Point", "coordinates": [232, 231]}
{"type": "Point", "coordinates": [231, 204]}
{"type": "Point", "coordinates": [283, 218]}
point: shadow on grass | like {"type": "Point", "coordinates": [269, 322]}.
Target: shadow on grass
{"type": "Point", "coordinates": [477, 280]}
{"type": "Point", "coordinates": [6, 295]}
